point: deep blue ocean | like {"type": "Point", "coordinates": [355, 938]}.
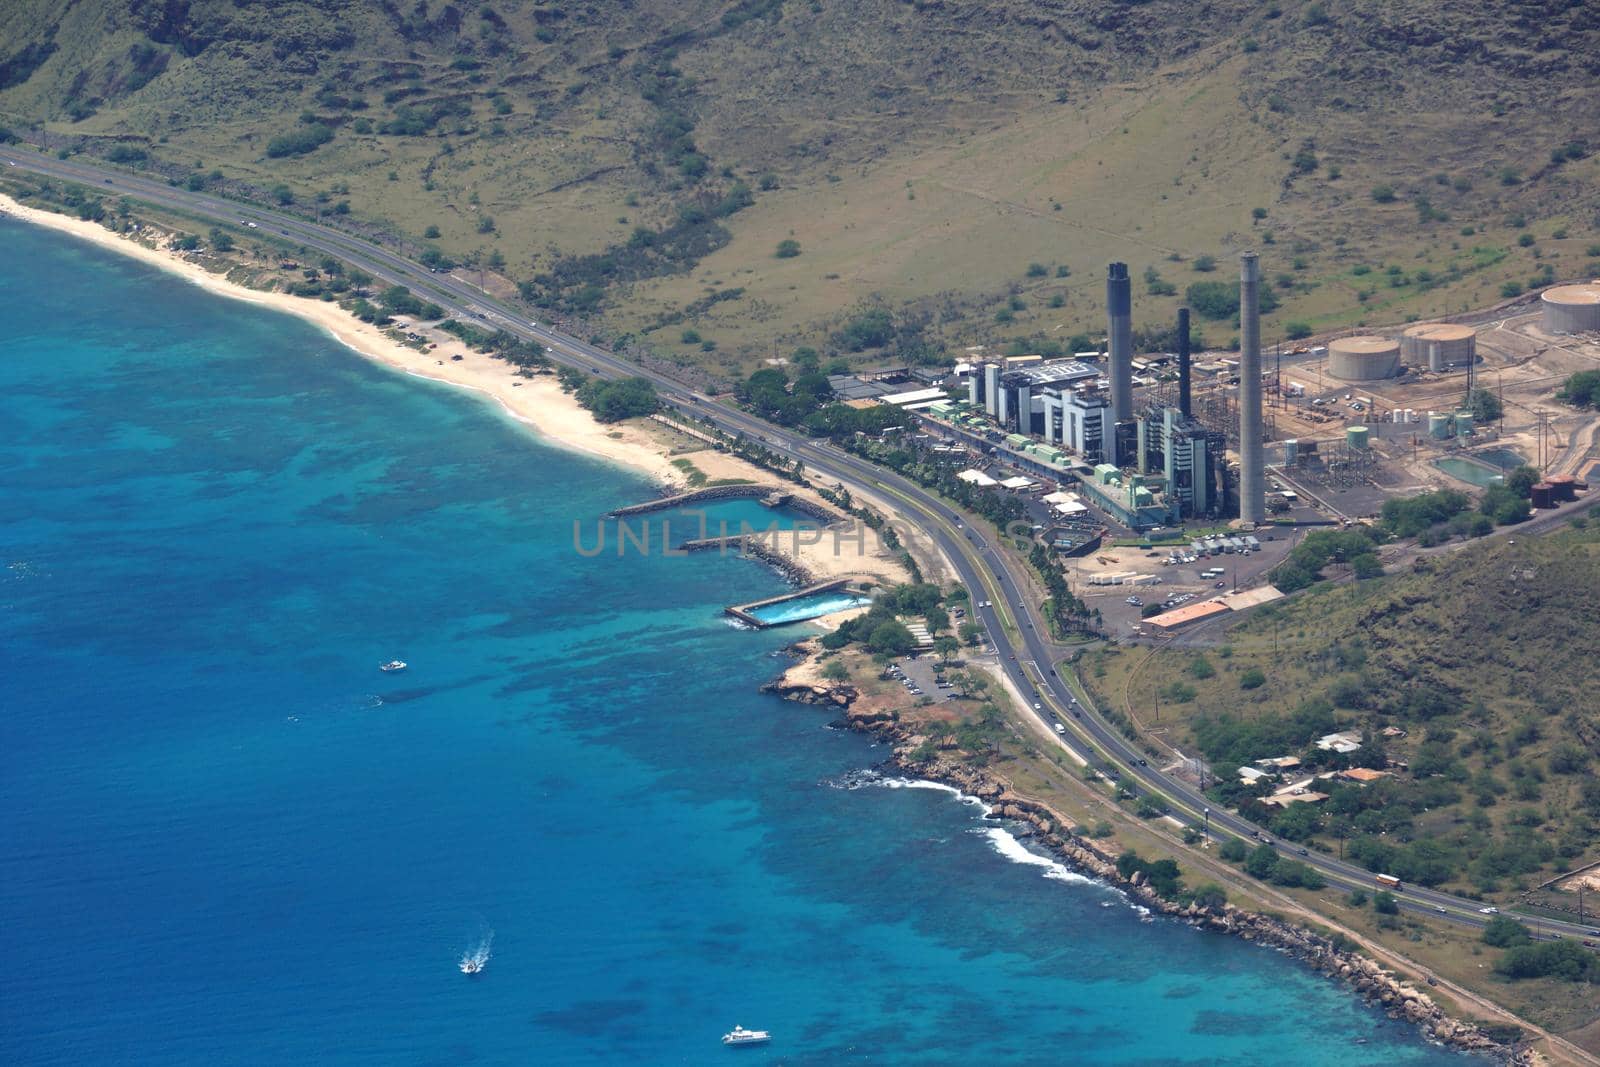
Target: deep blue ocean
{"type": "Point", "coordinates": [227, 837]}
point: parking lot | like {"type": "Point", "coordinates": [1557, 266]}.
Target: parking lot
{"type": "Point", "coordinates": [915, 673]}
{"type": "Point", "coordinates": [1170, 584]}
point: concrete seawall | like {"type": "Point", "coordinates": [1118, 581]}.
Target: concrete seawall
{"type": "Point", "coordinates": [772, 495]}
{"type": "Point", "coordinates": [744, 612]}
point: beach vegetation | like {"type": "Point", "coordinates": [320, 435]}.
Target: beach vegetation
{"type": "Point", "coordinates": [834, 670]}
{"type": "Point", "coordinates": [622, 398]}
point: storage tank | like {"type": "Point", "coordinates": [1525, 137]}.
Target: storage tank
{"type": "Point", "coordinates": [1356, 436]}
{"type": "Point", "coordinates": [1571, 308]}
{"type": "Point", "coordinates": [1438, 345]}
{"type": "Point", "coordinates": [1540, 495]}
{"type": "Point", "coordinates": [1562, 487]}
{"type": "Point", "coordinates": [1363, 358]}
{"type": "Point", "coordinates": [1291, 451]}
{"type": "Point", "coordinates": [1438, 425]}
{"type": "Point", "coordinates": [1463, 423]}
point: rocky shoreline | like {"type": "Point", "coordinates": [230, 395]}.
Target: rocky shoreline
{"type": "Point", "coordinates": [1367, 978]}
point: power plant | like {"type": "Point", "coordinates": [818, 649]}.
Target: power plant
{"type": "Point", "coordinates": [1252, 476]}
{"type": "Point", "coordinates": [1438, 346]}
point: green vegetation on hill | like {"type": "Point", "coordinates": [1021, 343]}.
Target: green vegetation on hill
{"type": "Point", "coordinates": [966, 176]}
{"type": "Point", "coordinates": [1469, 683]}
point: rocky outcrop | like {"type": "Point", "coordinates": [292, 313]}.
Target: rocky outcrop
{"type": "Point", "coordinates": [1050, 831]}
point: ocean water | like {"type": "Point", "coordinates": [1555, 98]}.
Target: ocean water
{"type": "Point", "coordinates": [227, 838]}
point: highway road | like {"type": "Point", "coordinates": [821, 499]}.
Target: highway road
{"type": "Point", "coordinates": [990, 574]}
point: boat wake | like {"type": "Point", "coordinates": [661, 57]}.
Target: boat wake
{"type": "Point", "coordinates": [475, 960]}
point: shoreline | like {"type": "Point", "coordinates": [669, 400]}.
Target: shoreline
{"type": "Point", "coordinates": [1060, 843]}
{"type": "Point", "coordinates": [537, 402]}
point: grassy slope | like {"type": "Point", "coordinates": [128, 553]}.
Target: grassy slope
{"type": "Point", "coordinates": [1496, 629]}
{"type": "Point", "coordinates": [1149, 124]}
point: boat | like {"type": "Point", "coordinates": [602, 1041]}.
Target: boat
{"type": "Point", "coordinates": [740, 1036]}
{"type": "Point", "coordinates": [392, 666]}
{"type": "Point", "coordinates": [472, 965]}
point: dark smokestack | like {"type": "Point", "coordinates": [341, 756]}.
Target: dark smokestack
{"type": "Point", "coordinates": [1183, 361]}
{"type": "Point", "coordinates": [1119, 315]}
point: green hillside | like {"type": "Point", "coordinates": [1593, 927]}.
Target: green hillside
{"type": "Point", "coordinates": [971, 168]}
{"type": "Point", "coordinates": [1479, 664]}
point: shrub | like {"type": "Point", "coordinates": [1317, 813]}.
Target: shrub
{"type": "Point", "coordinates": [1384, 903]}
{"type": "Point", "coordinates": [1504, 931]}
{"type": "Point", "coordinates": [787, 249]}
{"type": "Point", "coordinates": [1205, 264]}
{"type": "Point", "coordinates": [1383, 194]}
{"type": "Point", "coordinates": [1252, 679]}
{"type": "Point", "coordinates": [1296, 330]}
{"type": "Point", "coordinates": [300, 141]}
{"type": "Point", "coordinates": [1233, 850]}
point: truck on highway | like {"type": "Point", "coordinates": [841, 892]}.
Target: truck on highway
{"type": "Point", "coordinates": [1388, 881]}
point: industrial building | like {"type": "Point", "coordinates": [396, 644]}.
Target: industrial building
{"type": "Point", "coordinates": [1014, 391]}
{"type": "Point", "coordinates": [1571, 308]}
{"type": "Point", "coordinates": [1363, 358]}
{"type": "Point", "coordinates": [1438, 346]}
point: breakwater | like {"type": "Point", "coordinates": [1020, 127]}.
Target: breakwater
{"type": "Point", "coordinates": [745, 613]}
{"type": "Point", "coordinates": [754, 546]}
{"type": "Point", "coordinates": [1056, 834]}
{"type": "Point", "coordinates": [771, 495]}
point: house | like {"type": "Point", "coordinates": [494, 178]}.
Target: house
{"type": "Point", "coordinates": [1393, 731]}
{"type": "Point", "coordinates": [1281, 763]}
{"type": "Point", "coordinates": [1283, 800]}
{"type": "Point", "coordinates": [1363, 775]}
{"type": "Point", "coordinates": [1345, 742]}
{"type": "Point", "coordinates": [1252, 776]}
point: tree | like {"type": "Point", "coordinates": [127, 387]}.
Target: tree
{"type": "Point", "coordinates": [1582, 389]}
{"type": "Point", "coordinates": [971, 632]}
{"type": "Point", "coordinates": [1262, 862]}
{"type": "Point", "coordinates": [220, 240]}
{"type": "Point", "coordinates": [1484, 405]}
{"type": "Point", "coordinates": [1233, 850]}
{"type": "Point", "coordinates": [1522, 480]}
{"type": "Point", "coordinates": [892, 637]}
{"type": "Point", "coordinates": [1504, 931]}
{"type": "Point", "coordinates": [946, 646]}
{"type": "Point", "coordinates": [1384, 903]}
{"type": "Point", "coordinates": [937, 618]}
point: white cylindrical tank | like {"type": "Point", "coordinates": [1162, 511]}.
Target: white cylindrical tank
{"type": "Point", "coordinates": [1571, 308]}
{"type": "Point", "coordinates": [1438, 345]}
{"type": "Point", "coordinates": [1363, 358]}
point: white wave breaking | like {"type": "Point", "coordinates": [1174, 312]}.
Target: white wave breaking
{"type": "Point", "coordinates": [1005, 842]}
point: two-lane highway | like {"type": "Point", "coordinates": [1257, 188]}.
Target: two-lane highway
{"type": "Point", "coordinates": [987, 570]}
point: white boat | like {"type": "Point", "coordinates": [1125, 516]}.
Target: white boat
{"type": "Point", "coordinates": [392, 666]}
{"type": "Point", "coordinates": [472, 965]}
{"type": "Point", "coordinates": [740, 1036]}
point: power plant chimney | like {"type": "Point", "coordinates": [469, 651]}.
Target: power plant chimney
{"type": "Point", "coordinates": [1183, 362]}
{"type": "Point", "coordinates": [1119, 313]}
{"type": "Point", "coordinates": [1252, 492]}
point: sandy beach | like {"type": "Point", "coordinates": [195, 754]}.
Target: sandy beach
{"type": "Point", "coordinates": [645, 446]}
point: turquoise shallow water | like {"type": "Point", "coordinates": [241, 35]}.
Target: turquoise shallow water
{"type": "Point", "coordinates": [228, 838]}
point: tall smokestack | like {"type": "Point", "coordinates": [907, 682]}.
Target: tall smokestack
{"type": "Point", "coordinates": [1183, 361]}
{"type": "Point", "coordinates": [1252, 494]}
{"type": "Point", "coordinates": [1119, 313]}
